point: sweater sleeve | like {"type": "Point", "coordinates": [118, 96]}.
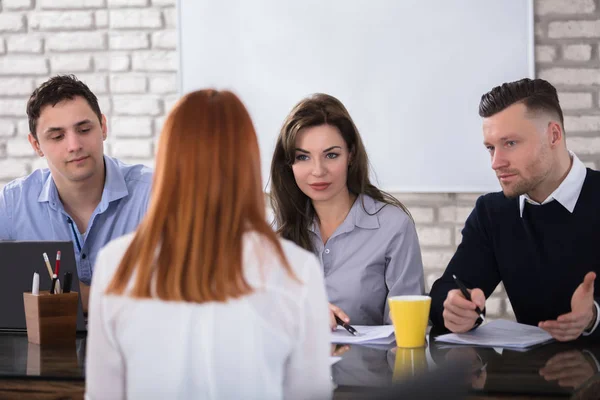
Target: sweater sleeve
{"type": "Point", "coordinates": [474, 262]}
{"type": "Point", "coordinates": [595, 331]}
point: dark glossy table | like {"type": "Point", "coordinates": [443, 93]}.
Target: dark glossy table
{"type": "Point", "coordinates": [555, 370]}
{"type": "Point", "coordinates": [30, 372]}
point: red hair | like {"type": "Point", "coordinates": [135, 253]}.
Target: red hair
{"type": "Point", "coordinates": [206, 194]}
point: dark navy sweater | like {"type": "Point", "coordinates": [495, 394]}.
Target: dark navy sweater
{"type": "Point", "coordinates": [541, 257]}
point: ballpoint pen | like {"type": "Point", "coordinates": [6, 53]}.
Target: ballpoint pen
{"type": "Point", "coordinates": [53, 287]}
{"type": "Point", "coordinates": [467, 295]}
{"type": "Point", "coordinates": [346, 326]}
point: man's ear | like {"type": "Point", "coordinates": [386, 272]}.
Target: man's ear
{"type": "Point", "coordinates": [35, 145]}
{"type": "Point", "coordinates": [104, 128]}
{"type": "Point", "coordinates": [555, 133]}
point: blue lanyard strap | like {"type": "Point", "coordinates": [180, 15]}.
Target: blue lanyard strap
{"type": "Point", "coordinates": [70, 221]}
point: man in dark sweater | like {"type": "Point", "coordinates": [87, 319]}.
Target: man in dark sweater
{"type": "Point", "coordinates": [540, 236]}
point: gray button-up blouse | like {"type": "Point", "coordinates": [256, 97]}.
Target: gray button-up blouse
{"type": "Point", "coordinates": [369, 258]}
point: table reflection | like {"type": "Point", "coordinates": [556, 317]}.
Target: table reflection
{"type": "Point", "coordinates": [364, 365]}
{"type": "Point", "coordinates": [552, 369]}
{"type": "Point", "coordinates": [21, 359]}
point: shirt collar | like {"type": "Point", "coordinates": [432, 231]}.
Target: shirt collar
{"type": "Point", "coordinates": [567, 193]}
{"type": "Point", "coordinates": [357, 216]}
{"type": "Point", "coordinates": [366, 217]}
{"type": "Point", "coordinates": [115, 187]}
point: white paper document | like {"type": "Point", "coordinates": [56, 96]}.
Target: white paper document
{"type": "Point", "coordinates": [500, 333]}
{"type": "Point", "coordinates": [383, 334]}
{"type": "Point", "coordinates": [334, 359]}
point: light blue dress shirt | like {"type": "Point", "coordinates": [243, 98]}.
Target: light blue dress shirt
{"type": "Point", "coordinates": [30, 209]}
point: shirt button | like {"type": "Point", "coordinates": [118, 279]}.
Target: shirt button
{"type": "Point", "coordinates": [83, 256]}
{"type": "Point", "coordinates": [326, 251]}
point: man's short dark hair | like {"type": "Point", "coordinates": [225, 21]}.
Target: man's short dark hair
{"type": "Point", "coordinates": [537, 95]}
{"type": "Point", "coordinates": [55, 90]}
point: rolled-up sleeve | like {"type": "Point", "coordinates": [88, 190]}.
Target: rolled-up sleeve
{"type": "Point", "coordinates": [404, 265]}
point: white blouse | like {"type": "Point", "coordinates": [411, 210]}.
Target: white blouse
{"type": "Point", "coordinates": [271, 344]}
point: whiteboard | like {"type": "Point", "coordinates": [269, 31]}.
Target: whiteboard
{"type": "Point", "coordinates": [410, 72]}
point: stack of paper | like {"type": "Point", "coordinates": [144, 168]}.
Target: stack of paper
{"type": "Point", "coordinates": [500, 333]}
{"type": "Point", "coordinates": [383, 334]}
{"type": "Point", "coordinates": [334, 359]}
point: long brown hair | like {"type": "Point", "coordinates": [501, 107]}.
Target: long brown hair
{"type": "Point", "coordinates": [206, 194]}
{"type": "Point", "coordinates": [293, 210]}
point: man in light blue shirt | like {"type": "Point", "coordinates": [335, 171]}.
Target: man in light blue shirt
{"type": "Point", "coordinates": [84, 196]}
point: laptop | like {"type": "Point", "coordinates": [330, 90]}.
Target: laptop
{"type": "Point", "coordinates": [18, 261]}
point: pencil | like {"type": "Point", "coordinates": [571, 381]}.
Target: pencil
{"type": "Point", "coordinates": [48, 265]}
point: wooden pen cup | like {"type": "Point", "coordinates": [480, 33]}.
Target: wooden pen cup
{"type": "Point", "coordinates": [51, 318]}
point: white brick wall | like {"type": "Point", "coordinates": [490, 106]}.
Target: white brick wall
{"type": "Point", "coordinates": [155, 61]}
{"type": "Point", "coordinates": [11, 22]}
{"type": "Point", "coordinates": [128, 40]}
{"type": "Point", "coordinates": [56, 20]}
{"type": "Point", "coordinates": [76, 41]}
{"type": "Point", "coordinates": [564, 7]}
{"type": "Point", "coordinates": [70, 4]}
{"type": "Point", "coordinates": [577, 52]}
{"type": "Point", "coordinates": [575, 100]}
{"type": "Point", "coordinates": [125, 50]}
{"type": "Point", "coordinates": [23, 65]}
{"type": "Point", "coordinates": [24, 44]}
{"type": "Point", "coordinates": [135, 19]}
{"type": "Point", "coordinates": [18, 4]}
{"type": "Point", "coordinates": [574, 29]}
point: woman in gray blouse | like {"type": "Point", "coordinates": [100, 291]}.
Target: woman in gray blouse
{"type": "Point", "coordinates": [323, 201]}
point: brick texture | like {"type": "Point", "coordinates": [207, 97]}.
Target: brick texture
{"type": "Point", "coordinates": [124, 50]}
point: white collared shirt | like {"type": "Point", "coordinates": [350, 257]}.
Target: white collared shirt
{"type": "Point", "coordinates": [567, 194]}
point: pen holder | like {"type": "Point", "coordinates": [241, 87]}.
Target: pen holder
{"type": "Point", "coordinates": [51, 318]}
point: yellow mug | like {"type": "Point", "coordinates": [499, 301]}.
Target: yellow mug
{"type": "Point", "coordinates": [410, 315]}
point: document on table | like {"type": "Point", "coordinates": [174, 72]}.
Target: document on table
{"type": "Point", "coordinates": [500, 333]}
{"type": "Point", "coordinates": [383, 334]}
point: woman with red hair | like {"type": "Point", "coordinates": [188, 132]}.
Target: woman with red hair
{"type": "Point", "coordinates": [203, 301]}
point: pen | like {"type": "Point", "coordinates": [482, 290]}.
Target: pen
{"type": "Point", "coordinates": [467, 295]}
{"type": "Point", "coordinates": [346, 326]}
{"type": "Point", "coordinates": [57, 265]}
{"type": "Point", "coordinates": [54, 278]}
{"type": "Point", "coordinates": [35, 286]}
{"type": "Point", "coordinates": [47, 261]}
{"type": "Point", "coordinates": [67, 282]}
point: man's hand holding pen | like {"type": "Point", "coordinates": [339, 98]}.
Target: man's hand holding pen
{"type": "Point", "coordinates": [459, 313]}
